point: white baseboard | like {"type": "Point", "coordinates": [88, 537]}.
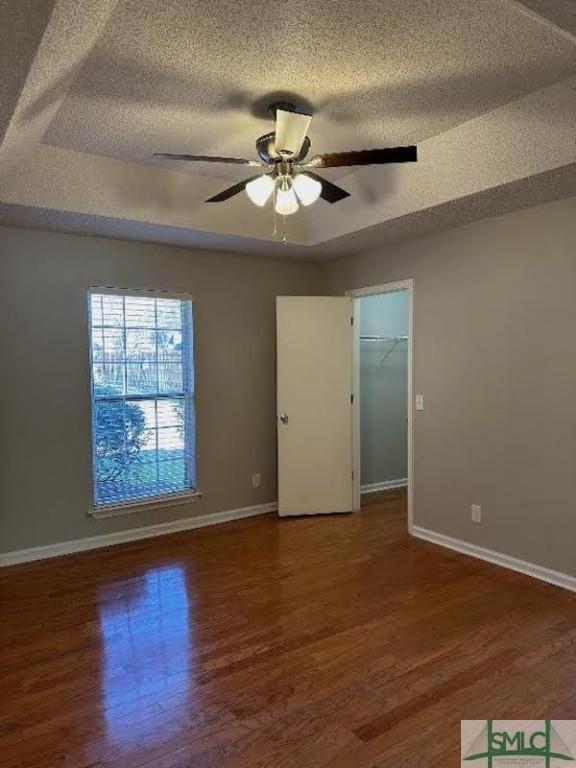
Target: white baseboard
{"type": "Point", "coordinates": [134, 534]}
{"type": "Point", "coordinates": [387, 485]}
{"type": "Point", "coordinates": [498, 558]}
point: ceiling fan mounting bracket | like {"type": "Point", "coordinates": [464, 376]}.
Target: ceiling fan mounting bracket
{"type": "Point", "coordinates": [287, 106]}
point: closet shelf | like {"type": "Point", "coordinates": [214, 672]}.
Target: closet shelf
{"type": "Point", "coordinates": [393, 340]}
{"type": "Point", "coordinates": [397, 339]}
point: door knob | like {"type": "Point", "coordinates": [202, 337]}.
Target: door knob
{"type": "Point", "coordinates": [284, 418]}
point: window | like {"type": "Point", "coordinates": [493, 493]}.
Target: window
{"type": "Point", "coordinates": [142, 396]}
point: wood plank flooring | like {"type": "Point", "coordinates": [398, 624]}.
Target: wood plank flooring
{"type": "Point", "coordinates": [331, 641]}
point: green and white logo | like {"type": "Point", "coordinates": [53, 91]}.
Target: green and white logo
{"type": "Point", "coordinates": [517, 743]}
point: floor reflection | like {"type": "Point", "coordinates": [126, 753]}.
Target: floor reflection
{"type": "Point", "coordinates": [146, 648]}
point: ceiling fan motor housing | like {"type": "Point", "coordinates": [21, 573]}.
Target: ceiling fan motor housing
{"type": "Point", "coordinates": [266, 149]}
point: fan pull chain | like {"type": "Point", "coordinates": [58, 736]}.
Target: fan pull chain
{"type": "Point", "coordinates": [275, 230]}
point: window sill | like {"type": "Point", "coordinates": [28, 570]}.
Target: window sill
{"type": "Point", "coordinates": [155, 502]}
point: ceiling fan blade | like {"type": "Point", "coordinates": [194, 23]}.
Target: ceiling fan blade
{"type": "Point", "coordinates": [291, 129]}
{"type": "Point", "coordinates": [226, 194]}
{"type": "Point", "coordinates": [206, 159]}
{"type": "Point", "coordinates": [330, 192]}
{"type": "Point", "coordinates": [365, 157]}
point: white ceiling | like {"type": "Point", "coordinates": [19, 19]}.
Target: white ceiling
{"type": "Point", "coordinates": [487, 88]}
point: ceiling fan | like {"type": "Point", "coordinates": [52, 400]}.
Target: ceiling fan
{"type": "Point", "coordinates": [291, 178]}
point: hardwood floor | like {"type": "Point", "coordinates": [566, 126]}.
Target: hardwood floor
{"type": "Point", "coordinates": [330, 641]}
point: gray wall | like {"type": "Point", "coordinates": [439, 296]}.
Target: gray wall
{"type": "Point", "coordinates": [495, 324]}
{"type": "Point", "coordinates": [383, 385]}
{"type": "Point", "coordinates": [45, 471]}
{"type": "Point", "coordinates": [495, 321]}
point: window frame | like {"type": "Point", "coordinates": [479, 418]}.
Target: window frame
{"type": "Point", "coordinates": [158, 501]}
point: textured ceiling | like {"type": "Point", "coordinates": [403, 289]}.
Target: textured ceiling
{"type": "Point", "coordinates": [561, 13]}
{"type": "Point", "coordinates": [481, 85]}
{"type": "Point", "coordinates": [527, 193]}
{"type": "Point", "coordinates": [174, 77]}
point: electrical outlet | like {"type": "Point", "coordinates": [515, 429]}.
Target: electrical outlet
{"type": "Point", "coordinates": [419, 402]}
{"type": "Point", "coordinates": [476, 513]}
{"type": "Point", "coordinates": [256, 480]}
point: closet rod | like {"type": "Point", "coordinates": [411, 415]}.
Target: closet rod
{"type": "Point", "coordinates": [384, 338]}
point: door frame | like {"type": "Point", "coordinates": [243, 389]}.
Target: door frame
{"type": "Point", "coordinates": [356, 294]}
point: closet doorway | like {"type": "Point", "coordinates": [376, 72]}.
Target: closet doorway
{"type": "Point", "coordinates": [382, 412]}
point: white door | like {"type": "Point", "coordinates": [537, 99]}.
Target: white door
{"type": "Point", "coordinates": [314, 354]}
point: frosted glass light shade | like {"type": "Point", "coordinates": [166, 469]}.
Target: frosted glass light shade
{"type": "Point", "coordinates": [307, 188]}
{"type": "Point", "coordinates": [286, 202]}
{"type": "Point", "coordinates": [260, 189]}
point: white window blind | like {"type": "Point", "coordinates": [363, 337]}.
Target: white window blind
{"type": "Point", "coordinates": [142, 396]}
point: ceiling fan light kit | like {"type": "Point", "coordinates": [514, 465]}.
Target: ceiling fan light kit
{"type": "Point", "coordinates": [260, 189]}
{"type": "Point", "coordinates": [285, 202]}
{"type": "Point", "coordinates": [287, 178]}
{"type": "Point", "coordinates": [307, 189]}
{"type": "Point", "coordinates": [290, 190]}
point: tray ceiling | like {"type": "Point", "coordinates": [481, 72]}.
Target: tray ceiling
{"type": "Point", "coordinates": [99, 92]}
